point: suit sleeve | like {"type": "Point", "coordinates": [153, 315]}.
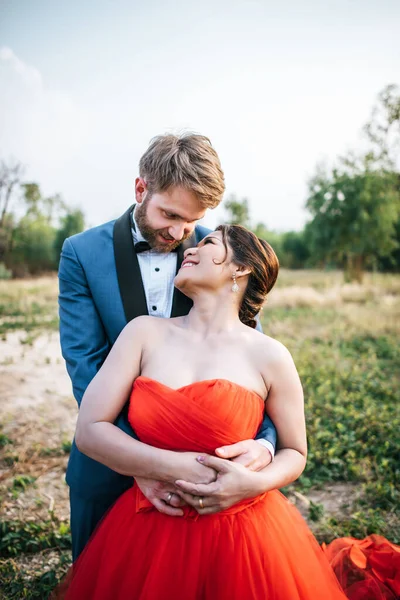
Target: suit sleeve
{"type": "Point", "coordinates": [267, 432]}
{"type": "Point", "coordinates": [258, 323]}
{"type": "Point", "coordinates": [84, 343]}
{"type": "Point", "coordinates": [267, 435]}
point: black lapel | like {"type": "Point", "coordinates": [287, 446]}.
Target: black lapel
{"type": "Point", "coordinates": [128, 270]}
{"type": "Point", "coordinates": [181, 304]}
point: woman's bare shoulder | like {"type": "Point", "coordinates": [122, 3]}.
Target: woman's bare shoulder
{"type": "Point", "coordinates": [269, 349]}
{"type": "Point", "coordinates": [144, 325]}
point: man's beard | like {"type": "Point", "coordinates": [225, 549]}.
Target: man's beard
{"type": "Point", "coordinates": [150, 234]}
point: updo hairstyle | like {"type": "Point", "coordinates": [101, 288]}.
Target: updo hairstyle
{"type": "Point", "coordinates": [248, 251]}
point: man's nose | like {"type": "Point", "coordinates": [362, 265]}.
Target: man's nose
{"type": "Point", "coordinates": [179, 230]}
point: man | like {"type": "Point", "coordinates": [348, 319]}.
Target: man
{"type": "Point", "coordinates": [125, 268]}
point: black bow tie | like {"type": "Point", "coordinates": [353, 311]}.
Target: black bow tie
{"type": "Point", "coordinates": [145, 247]}
{"type": "Point", "coordinates": [142, 247]}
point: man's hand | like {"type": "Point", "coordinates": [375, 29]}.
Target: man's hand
{"type": "Point", "coordinates": [163, 496]}
{"type": "Point", "coordinates": [249, 453]}
{"type": "Point", "coordinates": [233, 484]}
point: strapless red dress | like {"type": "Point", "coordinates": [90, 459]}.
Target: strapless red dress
{"type": "Point", "coordinates": [260, 549]}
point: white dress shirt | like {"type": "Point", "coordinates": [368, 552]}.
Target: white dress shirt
{"type": "Point", "coordinates": [158, 270]}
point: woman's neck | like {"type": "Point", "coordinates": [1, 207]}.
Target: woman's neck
{"type": "Point", "coordinates": [212, 314]}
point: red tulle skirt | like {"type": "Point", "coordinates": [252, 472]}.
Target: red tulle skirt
{"type": "Point", "coordinates": [368, 569]}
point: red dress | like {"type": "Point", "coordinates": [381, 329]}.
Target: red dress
{"type": "Point", "coordinates": [259, 549]}
{"type": "Point", "coordinates": [368, 569]}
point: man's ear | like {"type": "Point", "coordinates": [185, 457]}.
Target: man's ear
{"type": "Point", "coordinates": [140, 189]}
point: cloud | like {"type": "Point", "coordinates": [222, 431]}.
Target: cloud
{"type": "Point", "coordinates": [27, 73]}
{"type": "Point", "coordinates": [42, 127]}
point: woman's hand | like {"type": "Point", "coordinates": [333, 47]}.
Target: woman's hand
{"type": "Point", "coordinates": [234, 483]}
{"type": "Point", "coordinates": [185, 466]}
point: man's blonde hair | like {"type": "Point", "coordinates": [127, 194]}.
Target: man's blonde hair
{"type": "Point", "coordinates": [187, 160]}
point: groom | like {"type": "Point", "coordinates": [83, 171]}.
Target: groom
{"type": "Point", "coordinates": [125, 268]}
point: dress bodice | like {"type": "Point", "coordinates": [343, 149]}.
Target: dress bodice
{"type": "Point", "coordinates": [198, 417]}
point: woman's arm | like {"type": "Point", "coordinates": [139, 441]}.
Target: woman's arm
{"type": "Point", "coordinates": [103, 401]}
{"type": "Point", "coordinates": [285, 407]}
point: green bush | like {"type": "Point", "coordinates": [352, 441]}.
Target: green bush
{"type": "Point", "coordinates": [20, 538]}
{"type": "Point", "coordinates": [17, 583]}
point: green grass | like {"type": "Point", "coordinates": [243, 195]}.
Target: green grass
{"type": "Point", "coordinates": [18, 582]}
{"type": "Point", "coordinates": [18, 538]}
{"type": "Point", "coordinates": [29, 305]}
{"type": "Point", "coordinates": [350, 371]}
{"type": "Point", "coordinates": [21, 541]}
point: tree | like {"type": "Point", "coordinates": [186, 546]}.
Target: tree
{"type": "Point", "coordinates": [356, 207]}
{"type": "Point", "coordinates": [383, 129]}
{"type": "Point", "coordinates": [273, 238]}
{"type": "Point", "coordinates": [32, 242]}
{"type": "Point", "coordinates": [10, 180]}
{"type": "Point", "coordinates": [73, 222]}
{"type": "Point", "coordinates": [33, 246]}
{"type": "Point", "coordinates": [295, 249]}
{"type": "Point", "coordinates": [354, 216]}
{"type": "Point", "coordinates": [50, 207]}
{"type": "Point", "coordinates": [383, 133]}
{"type": "Point", "coordinates": [238, 212]}
{"type": "Point", "coordinates": [391, 262]}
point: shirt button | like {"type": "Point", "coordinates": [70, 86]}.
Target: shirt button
{"type": "Point", "coordinates": [154, 308]}
{"type": "Point", "coordinates": [157, 269]}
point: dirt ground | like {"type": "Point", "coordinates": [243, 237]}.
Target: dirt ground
{"type": "Point", "coordinates": [38, 413]}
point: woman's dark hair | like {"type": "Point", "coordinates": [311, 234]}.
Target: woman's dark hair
{"type": "Point", "coordinates": [253, 253]}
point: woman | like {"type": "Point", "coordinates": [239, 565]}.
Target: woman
{"type": "Point", "coordinates": [201, 382]}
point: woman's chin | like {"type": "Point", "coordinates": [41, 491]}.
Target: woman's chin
{"type": "Point", "coordinates": [182, 282]}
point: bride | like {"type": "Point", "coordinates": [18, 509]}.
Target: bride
{"type": "Point", "coordinates": [201, 382]}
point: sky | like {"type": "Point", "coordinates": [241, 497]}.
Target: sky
{"type": "Point", "coordinates": [277, 86]}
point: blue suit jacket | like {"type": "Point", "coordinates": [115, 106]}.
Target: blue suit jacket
{"type": "Point", "coordinates": [100, 291]}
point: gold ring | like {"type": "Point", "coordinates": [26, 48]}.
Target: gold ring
{"type": "Point", "coordinates": [169, 497]}
{"type": "Point", "coordinates": [201, 504]}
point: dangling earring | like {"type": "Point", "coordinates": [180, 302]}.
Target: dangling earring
{"type": "Point", "coordinates": [235, 287]}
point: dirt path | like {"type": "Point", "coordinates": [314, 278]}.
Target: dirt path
{"type": "Point", "coordinates": [38, 413]}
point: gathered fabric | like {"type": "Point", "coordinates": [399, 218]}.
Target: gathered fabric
{"type": "Point", "coordinates": [368, 569]}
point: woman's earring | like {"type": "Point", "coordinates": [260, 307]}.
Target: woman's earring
{"type": "Point", "coordinates": [235, 287]}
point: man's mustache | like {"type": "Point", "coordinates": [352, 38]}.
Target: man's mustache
{"type": "Point", "coordinates": [169, 238]}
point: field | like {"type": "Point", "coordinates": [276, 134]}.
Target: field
{"type": "Point", "coordinates": [345, 341]}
